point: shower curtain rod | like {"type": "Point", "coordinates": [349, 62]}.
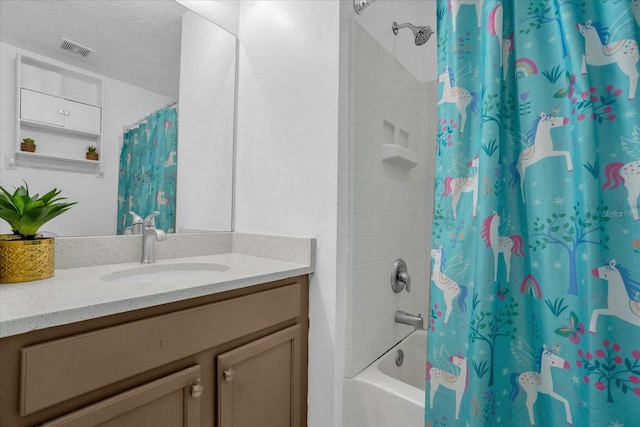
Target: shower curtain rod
{"type": "Point", "coordinates": [144, 119]}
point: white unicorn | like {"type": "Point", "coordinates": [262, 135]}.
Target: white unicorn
{"type": "Point", "coordinates": [540, 149]}
{"type": "Point", "coordinates": [457, 95]}
{"type": "Point", "coordinates": [628, 174]}
{"type": "Point", "coordinates": [534, 383]}
{"type": "Point", "coordinates": [500, 244]}
{"type": "Point", "coordinates": [456, 186]}
{"type": "Point", "coordinates": [447, 285]}
{"type": "Point", "coordinates": [454, 5]}
{"type": "Point", "coordinates": [599, 51]}
{"type": "Point", "coordinates": [458, 383]}
{"type": "Point", "coordinates": [623, 295]}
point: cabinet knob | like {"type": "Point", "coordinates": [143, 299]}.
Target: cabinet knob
{"type": "Point", "coordinates": [66, 113]}
{"type": "Point", "coordinates": [228, 375]}
{"type": "Point", "coordinates": [196, 390]}
{"type": "Point", "coordinates": [60, 112]}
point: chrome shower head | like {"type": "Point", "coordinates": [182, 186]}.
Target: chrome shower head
{"type": "Point", "coordinates": [421, 34]}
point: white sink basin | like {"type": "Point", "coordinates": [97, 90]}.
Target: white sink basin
{"type": "Point", "coordinates": [165, 273]}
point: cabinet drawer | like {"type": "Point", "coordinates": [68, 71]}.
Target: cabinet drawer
{"type": "Point", "coordinates": [59, 370]}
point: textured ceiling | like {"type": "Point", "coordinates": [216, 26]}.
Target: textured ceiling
{"type": "Point", "coordinates": [137, 42]}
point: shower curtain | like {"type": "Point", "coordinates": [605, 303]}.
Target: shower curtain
{"type": "Point", "coordinates": [148, 170]}
{"type": "Point", "coordinates": [535, 287]}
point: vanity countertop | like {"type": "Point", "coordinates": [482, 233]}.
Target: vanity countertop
{"type": "Point", "coordinates": [80, 293]}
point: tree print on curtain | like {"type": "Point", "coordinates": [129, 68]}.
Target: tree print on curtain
{"type": "Point", "coordinates": [535, 302]}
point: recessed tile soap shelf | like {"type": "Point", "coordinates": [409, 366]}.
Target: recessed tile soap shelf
{"type": "Point", "coordinates": [394, 153]}
{"type": "Point", "coordinates": [399, 156]}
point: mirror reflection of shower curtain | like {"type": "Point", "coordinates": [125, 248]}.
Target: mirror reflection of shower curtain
{"type": "Point", "coordinates": [148, 170]}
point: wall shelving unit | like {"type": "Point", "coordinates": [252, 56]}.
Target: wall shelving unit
{"type": "Point", "coordinates": [61, 109]}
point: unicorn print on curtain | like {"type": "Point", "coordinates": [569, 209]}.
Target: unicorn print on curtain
{"type": "Point", "coordinates": [148, 170]}
{"type": "Point", "coordinates": [535, 302]}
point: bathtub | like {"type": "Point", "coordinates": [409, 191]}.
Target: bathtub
{"type": "Point", "coordinates": [385, 395]}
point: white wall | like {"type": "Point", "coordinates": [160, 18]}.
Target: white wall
{"type": "Point", "coordinates": [287, 162]}
{"type": "Point", "coordinates": [96, 211]}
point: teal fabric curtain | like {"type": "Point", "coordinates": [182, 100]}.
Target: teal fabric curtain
{"type": "Point", "coordinates": [535, 287]}
{"type": "Point", "coordinates": [148, 170]}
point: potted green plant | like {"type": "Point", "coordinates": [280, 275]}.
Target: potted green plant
{"type": "Point", "coordinates": [92, 153]}
{"type": "Point", "coordinates": [28, 144]}
{"type": "Point", "coordinates": [25, 254]}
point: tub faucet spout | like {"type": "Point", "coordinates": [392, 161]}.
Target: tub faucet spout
{"type": "Point", "coordinates": [409, 319]}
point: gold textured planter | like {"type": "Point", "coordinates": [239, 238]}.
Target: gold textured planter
{"type": "Point", "coordinates": [26, 260]}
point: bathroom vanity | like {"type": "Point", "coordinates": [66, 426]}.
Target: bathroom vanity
{"type": "Point", "coordinates": [234, 353]}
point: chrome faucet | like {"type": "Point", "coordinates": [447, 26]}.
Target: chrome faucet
{"type": "Point", "coordinates": [149, 234]}
{"type": "Point", "coordinates": [136, 225]}
{"type": "Point", "coordinates": [409, 319]}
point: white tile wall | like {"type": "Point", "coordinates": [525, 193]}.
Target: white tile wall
{"type": "Point", "coordinates": [390, 207]}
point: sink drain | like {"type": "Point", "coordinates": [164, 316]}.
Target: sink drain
{"type": "Point", "coordinates": [399, 357]}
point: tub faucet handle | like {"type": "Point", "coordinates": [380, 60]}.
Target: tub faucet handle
{"type": "Point", "coordinates": [404, 277]}
{"type": "Point", "coordinates": [400, 279]}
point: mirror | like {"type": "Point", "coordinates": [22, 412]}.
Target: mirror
{"type": "Point", "coordinates": [148, 54]}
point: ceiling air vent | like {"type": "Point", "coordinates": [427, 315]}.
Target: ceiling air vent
{"type": "Point", "coordinates": [74, 47]}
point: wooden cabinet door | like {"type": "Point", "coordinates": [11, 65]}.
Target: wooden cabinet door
{"type": "Point", "coordinates": [171, 401]}
{"type": "Point", "coordinates": [82, 117]}
{"type": "Point", "coordinates": [259, 384]}
{"type": "Point", "coordinates": [42, 108]}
